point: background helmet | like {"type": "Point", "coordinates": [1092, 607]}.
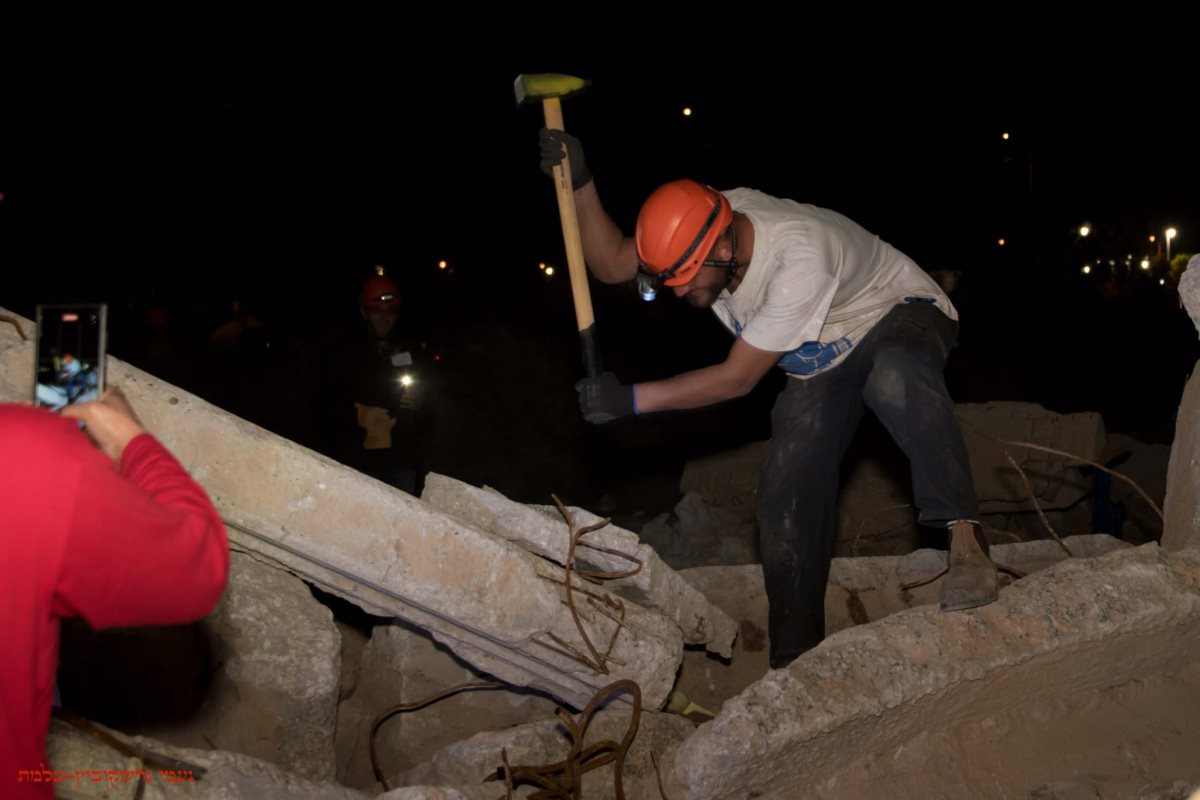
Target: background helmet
{"type": "Point", "coordinates": [379, 292]}
{"type": "Point", "coordinates": [677, 226]}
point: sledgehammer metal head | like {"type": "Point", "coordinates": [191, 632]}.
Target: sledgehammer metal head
{"type": "Point", "coordinates": [539, 86]}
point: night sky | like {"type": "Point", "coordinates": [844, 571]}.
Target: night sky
{"type": "Point", "coordinates": [278, 168]}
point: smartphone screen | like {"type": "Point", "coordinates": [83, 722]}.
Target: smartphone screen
{"type": "Point", "coordinates": [69, 360]}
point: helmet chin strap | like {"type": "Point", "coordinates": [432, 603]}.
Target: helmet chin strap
{"type": "Point", "coordinates": [732, 263]}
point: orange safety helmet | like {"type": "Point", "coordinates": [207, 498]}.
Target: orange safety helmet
{"type": "Point", "coordinates": [379, 292]}
{"type": "Point", "coordinates": [677, 226]}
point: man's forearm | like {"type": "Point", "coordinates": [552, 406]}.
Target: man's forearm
{"type": "Point", "coordinates": [696, 389]}
{"type": "Point", "coordinates": [734, 377]}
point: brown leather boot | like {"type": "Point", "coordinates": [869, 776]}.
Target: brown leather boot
{"type": "Point", "coordinates": [972, 579]}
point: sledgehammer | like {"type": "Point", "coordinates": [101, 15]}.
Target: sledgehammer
{"type": "Point", "coordinates": [550, 88]}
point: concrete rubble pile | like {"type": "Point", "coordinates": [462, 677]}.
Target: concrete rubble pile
{"type": "Point", "coordinates": [901, 700]}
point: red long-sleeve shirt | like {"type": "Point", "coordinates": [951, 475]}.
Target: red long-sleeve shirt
{"type": "Point", "coordinates": [139, 545]}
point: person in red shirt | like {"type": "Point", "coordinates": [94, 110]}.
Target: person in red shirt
{"type": "Point", "coordinates": [109, 528]}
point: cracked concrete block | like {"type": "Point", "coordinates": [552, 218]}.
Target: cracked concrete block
{"type": "Point", "coordinates": [928, 704]}
{"type": "Point", "coordinates": [542, 530]}
{"type": "Point", "coordinates": [860, 590]}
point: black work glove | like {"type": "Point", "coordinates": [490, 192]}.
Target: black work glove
{"type": "Point", "coordinates": [604, 398]}
{"type": "Point", "coordinates": [552, 144]}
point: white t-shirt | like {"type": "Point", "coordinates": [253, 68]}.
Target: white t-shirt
{"type": "Point", "coordinates": [816, 284]}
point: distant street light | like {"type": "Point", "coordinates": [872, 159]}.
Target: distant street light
{"type": "Point", "coordinates": [1087, 269]}
{"type": "Point", "coordinates": [1171, 233]}
{"type": "Point", "coordinates": [1084, 230]}
{"type": "Point", "coordinates": [1145, 263]}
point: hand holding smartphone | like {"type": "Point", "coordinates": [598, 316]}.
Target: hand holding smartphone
{"type": "Point", "coordinates": [69, 360]}
{"type": "Point", "coordinates": [110, 421]}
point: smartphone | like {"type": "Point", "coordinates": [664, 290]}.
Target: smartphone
{"type": "Point", "coordinates": [70, 357]}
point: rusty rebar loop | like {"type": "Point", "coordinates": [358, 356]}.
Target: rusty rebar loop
{"type": "Point", "coordinates": [563, 780]}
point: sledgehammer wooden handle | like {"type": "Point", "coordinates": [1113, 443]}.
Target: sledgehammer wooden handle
{"type": "Point", "coordinates": [584, 319]}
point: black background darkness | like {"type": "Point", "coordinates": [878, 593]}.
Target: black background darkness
{"type": "Point", "coordinates": [172, 175]}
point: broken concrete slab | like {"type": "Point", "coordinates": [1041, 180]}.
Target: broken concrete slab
{"type": "Point", "coordinates": [1181, 508]}
{"type": "Point", "coordinates": [542, 530]}
{"type": "Point", "coordinates": [380, 548]}
{"type": "Point", "coordinates": [628, 638]}
{"type": "Point", "coordinates": [467, 763]}
{"type": "Point", "coordinates": [225, 776]}
{"type": "Point", "coordinates": [890, 706]}
{"type": "Point", "coordinates": [275, 696]}
{"type": "Point", "coordinates": [659, 588]}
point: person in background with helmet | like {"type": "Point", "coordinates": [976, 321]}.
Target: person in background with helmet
{"type": "Point", "coordinates": [376, 404]}
{"type": "Point", "coordinates": [852, 321]}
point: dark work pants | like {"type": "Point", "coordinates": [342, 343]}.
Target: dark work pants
{"type": "Point", "coordinates": [896, 371]}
